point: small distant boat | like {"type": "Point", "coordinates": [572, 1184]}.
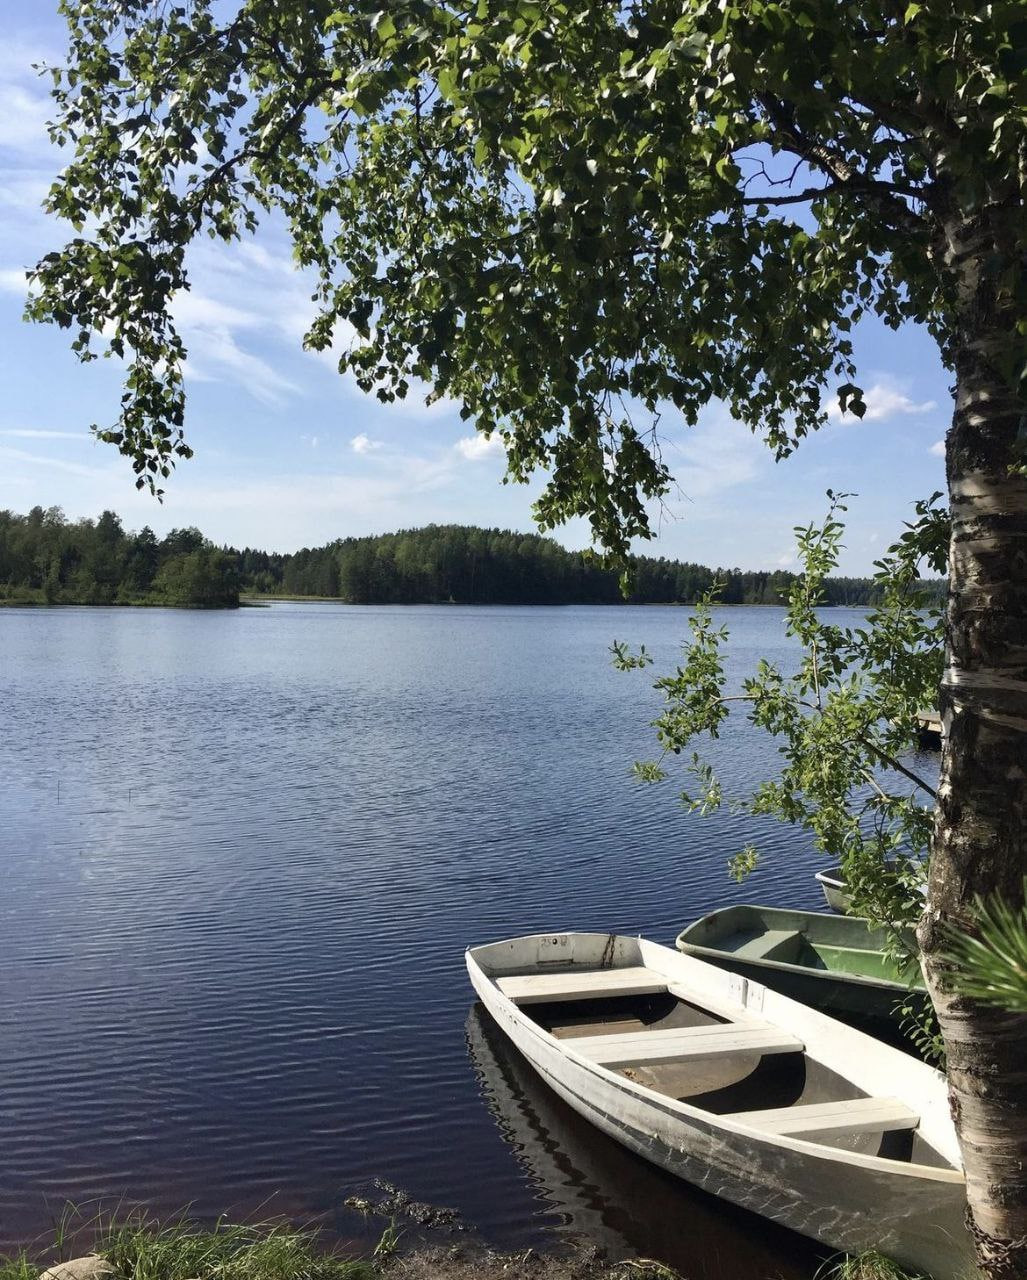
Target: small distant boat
{"type": "Point", "coordinates": [836, 891]}
{"type": "Point", "coordinates": [835, 963]}
{"type": "Point", "coordinates": [738, 1089]}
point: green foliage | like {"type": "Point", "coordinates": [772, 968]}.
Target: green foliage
{"type": "Point", "coordinates": [18, 1267]}
{"type": "Point", "coordinates": [139, 1248]}
{"type": "Point", "coordinates": [469, 565]}
{"type": "Point", "coordinates": [388, 1244]}
{"type": "Point", "coordinates": [989, 959]}
{"type": "Point", "coordinates": [743, 863]}
{"type": "Point", "coordinates": [205, 578]}
{"type": "Point", "coordinates": [842, 720]}
{"type": "Point", "coordinates": [869, 1265]}
{"type": "Point", "coordinates": [46, 559]}
{"type": "Point", "coordinates": [918, 1023]}
{"type": "Point", "coordinates": [566, 216]}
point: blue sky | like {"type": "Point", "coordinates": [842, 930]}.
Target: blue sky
{"type": "Point", "coordinates": [288, 453]}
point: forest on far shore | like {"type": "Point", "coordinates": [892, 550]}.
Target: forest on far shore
{"type": "Point", "coordinates": [46, 558]}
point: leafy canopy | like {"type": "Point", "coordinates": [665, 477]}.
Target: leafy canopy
{"type": "Point", "coordinates": [842, 722]}
{"type": "Point", "coordinates": [570, 216]}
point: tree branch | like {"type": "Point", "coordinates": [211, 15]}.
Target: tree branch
{"type": "Point", "coordinates": [887, 760]}
{"type": "Point", "coordinates": [846, 179]}
{"type": "Point", "coordinates": [856, 187]}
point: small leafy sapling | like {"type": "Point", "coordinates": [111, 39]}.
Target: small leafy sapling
{"type": "Point", "coordinates": [843, 720]}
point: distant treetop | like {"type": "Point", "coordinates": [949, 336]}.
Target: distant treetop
{"type": "Point", "coordinates": [46, 558]}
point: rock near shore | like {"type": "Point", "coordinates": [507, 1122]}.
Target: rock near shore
{"type": "Point", "coordinates": [90, 1267]}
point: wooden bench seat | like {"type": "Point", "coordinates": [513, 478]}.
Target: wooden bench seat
{"type": "Point", "coordinates": [583, 984]}
{"type": "Point", "coordinates": [832, 1119]}
{"type": "Point", "coordinates": [684, 1044]}
{"type": "Point", "coordinates": [768, 942]}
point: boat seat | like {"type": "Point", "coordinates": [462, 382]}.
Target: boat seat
{"type": "Point", "coordinates": [827, 1119]}
{"type": "Point", "coordinates": [684, 1044]}
{"type": "Point", "coordinates": [770, 944]}
{"type": "Point", "coordinates": [581, 984]}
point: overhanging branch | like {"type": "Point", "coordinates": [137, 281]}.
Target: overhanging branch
{"type": "Point", "coordinates": [885, 197]}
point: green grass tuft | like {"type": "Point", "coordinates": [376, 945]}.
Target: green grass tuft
{"type": "Point", "coordinates": [870, 1265]}
{"type": "Point", "coordinates": [20, 1267]}
{"type": "Point", "coordinates": [139, 1248]}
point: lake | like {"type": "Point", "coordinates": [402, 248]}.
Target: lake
{"type": "Point", "coordinates": [243, 853]}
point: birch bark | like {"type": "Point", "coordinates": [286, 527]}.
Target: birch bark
{"type": "Point", "coordinates": [980, 841]}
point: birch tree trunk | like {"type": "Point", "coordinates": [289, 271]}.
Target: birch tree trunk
{"type": "Point", "coordinates": [980, 841]}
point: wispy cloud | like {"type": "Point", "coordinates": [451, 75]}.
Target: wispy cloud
{"type": "Point", "coordinates": [54, 464]}
{"type": "Point", "coordinates": [208, 328]}
{"type": "Point", "coordinates": [193, 310]}
{"type": "Point", "coordinates": [477, 448]}
{"type": "Point", "coordinates": [883, 401]}
{"type": "Point", "coordinates": [12, 280]}
{"type": "Point", "coordinates": [43, 433]}
{"type": "Point", "coordinates": [718, 454]}
{"type": "Point", "coordinates": [23, 116]}
{"type": "Point", "coordinates": [19, 57]}
{"type": "Point", "coordinates": [363, 444]}
{"type": "Point", "coordinates": [937, 449]}
{"type": "Point", "coordinates": [23, 191]}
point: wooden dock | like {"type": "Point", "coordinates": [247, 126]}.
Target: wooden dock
{"type": "Point", "coordinates": [929, 730]}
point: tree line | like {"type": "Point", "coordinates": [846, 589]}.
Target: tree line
{"type": "Point", "coordinates": [46, 558]}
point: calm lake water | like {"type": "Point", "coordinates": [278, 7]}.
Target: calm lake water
{"type": "Point", "coordinates": [242, 854]}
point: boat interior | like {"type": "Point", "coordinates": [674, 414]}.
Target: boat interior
{"type": "Point", "coordinates": [813, 941]}
{"type": "Point", "coordinates": [792, 946]}
{"type": "Point", "coordinates": [627, 1020]}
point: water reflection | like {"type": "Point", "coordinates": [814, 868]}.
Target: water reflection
{"type": "Point", "coordinates": [599, 1191]}
{"type": "Point", "coordinates": [242, 854]}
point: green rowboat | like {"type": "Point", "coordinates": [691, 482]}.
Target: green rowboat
{"type": "Point", "coordinates": [838, 964]}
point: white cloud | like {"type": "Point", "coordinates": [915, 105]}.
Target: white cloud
{"type": "Point", "coordinates": [363, 444]}
{"type": "Point", "coordinates": [23, 117]}
{"type": "Point", "coordinates": [19, 56]}
{"type": "Point", "coordinates": [477, 448]}
{"type": "Point", "coordinates": [24, 191]}
{"type": "Point", "coordinates": [937, 449]}
{"type": "Point", "coordinates": [192, 310]}
{"type": "Point", "coordinates": [273, 263]}
{"type": "Point", "coordinates": [208, 327]}
{"type": "Point", "coordinates": [718, 454]}
{"type": "Point", "coordinates": [54, 464]}
{"type": "Point", "coordinates": [41, 433]}
{"type": "Point", "coordinates": [883, 401]}
{"type": "Point", "coordinates": [12, 280]}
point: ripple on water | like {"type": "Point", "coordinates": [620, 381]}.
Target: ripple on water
{"type": "Point", "coordinates": [243, 854]}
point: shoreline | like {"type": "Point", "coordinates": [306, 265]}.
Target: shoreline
{"type": "Point", "coordinates": [274, 1250]}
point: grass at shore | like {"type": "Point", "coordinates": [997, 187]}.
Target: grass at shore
{"type": "Point", "coordinates": [866, 1266]}
{"type": "Point", "coordinates": [140, 1250]}
{"type": "Point", "coordinates": [137, 1248]}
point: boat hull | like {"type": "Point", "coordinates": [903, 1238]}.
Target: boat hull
{"type": "Point", "coordinates": [856, 987]}
{"type": "Point", "coordinates": [840, 999]}
{"type": "Point", "coordinates": [848, 1207]}
{"type": "Point", "coordinates": [835, 893]}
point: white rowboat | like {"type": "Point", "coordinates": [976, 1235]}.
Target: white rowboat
{"type": "Point", "coordinates": [739, 1090]}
